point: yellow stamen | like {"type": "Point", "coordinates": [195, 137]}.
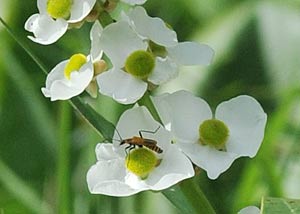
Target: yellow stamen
{"type": "Point", "coordinates": [59, 8]}
{"type": "Point", "coordinates": [75, 63]}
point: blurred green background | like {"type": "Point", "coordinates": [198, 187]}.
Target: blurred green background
{"type": "Point", "coordinates": [46, 148]}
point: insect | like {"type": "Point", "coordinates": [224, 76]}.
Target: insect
{"type": "Point", "coordinates": [140, 142]}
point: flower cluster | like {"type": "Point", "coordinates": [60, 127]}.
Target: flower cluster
{"type": "Point", "coordinates": [143, 52]}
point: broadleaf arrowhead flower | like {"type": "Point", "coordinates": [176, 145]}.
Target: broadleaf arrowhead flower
{"type": "Point", "coordinates": [53, 18]}
{"type": "Point", "coordinates": [144, 50]}
{"type": "Point", "coordinates": [123, 172]}
{"type": "Point", "coordinates": [71, 77]}
{"type": "Point", "coordinates": [213, 142]}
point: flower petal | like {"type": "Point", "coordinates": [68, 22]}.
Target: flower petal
{"type": "Point", "coordinates": [164, 71]}
{"type": "Point", "coordinates": [246, 121]}
{"type": "Point", "coordinates": [175, 167]}
{"type": "Point", "coordinates": [46, 30]}
{"type": "Point", "coordinates": [186, 112]}
{"type": "Point", "coordinates": [42, 6]}
{"type": "Point", "coordinates": [107, 177]}
{"type": "Point", "coordinates": [153, 28]}
{"type": "Point", "coordinates": [59, 88]}
{"type": "Point", "coordinates": [121, 86]}
{"type": "Point", "coordinates": [80, 9]}
{"type": "Point", "coordinates": [118, 41]}
{"type": "Point", "coordinates": [104, 151]}
{"type": "Point", "coordinates": [191, 53]}
{"type": "Point", "coordinates": [214, 162]}
{"type": "Point", "coordinates": [139, 119]}
{"type": "Point", "coordinates": [249, 210]}
{"type": "Point", "coordinates": [96, 51]}
{"type": "Point", "coordinates": [134, 2]}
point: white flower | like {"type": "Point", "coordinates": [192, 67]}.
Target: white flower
{"type": "Point", "coordinates": [53, 18]}
{"type": "Point", "coordinates": [176, 53]}
{"type": "Point", "coordinates": [71, 77]}
{"type": "Point", "coordinates": [213, 142]}
{"type": "Point", "coordinates": [249, 210]}
{"type": "Point", "coordinates": [112, 174]}
{"type": "Point", "coordinates": [139, 42]}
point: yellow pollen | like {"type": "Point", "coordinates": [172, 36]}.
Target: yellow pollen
{"type": "Point", "coordinates": [141, 162]}
{"type": "Point", "coordinates": [75, 63]}
{"type": "Point", "coordinates": [59, 8]}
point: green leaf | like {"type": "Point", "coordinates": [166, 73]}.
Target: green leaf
{"type": "Point", "coordinates": [97, 121]}
{"type": "Point", "coordinates": [280, 206]}
{"type": "Point", "coordinates": [22, 190]}
{"type": "Point", "coordinates": [188, 198]}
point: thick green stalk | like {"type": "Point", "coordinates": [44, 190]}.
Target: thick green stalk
{"type": "Point", "coordinates": [63, 168]}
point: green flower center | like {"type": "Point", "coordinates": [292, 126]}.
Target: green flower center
{"type": "Point", "coordinates": [59, 8]}
{"type": "Point", "coordinates": [75, 63]}
{"type": "Point", "coordinates": [213, 133]}
{"type": "Point", "coordinates": [141, 162]}
{"type": "Point", "coordinates": [140, 64]}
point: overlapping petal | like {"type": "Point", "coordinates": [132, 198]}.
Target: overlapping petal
{"type": "Point", "coordinates": [96, 50]}
{"type": "Point", "coordinates": [134, 2]}
{"type": "Point", "coordinates": [121, 86]}
{"type": "Point", "coordinates": [246, 121]}
{"type": "Point", "coordinates": [191, 53]}
{"type": "Point", "coordinates": [118, 41]}
{"type": "Point", "coordinates": [45, 29]}
{"type": "Point", "coordinates": [152, 28]}
{"type": "Point", "coordinates": [80, 9]}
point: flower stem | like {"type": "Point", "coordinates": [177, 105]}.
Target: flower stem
{"type": "Point", "coordinates": [64, 180]}
{"type": "Point", "coordinates": [147, 102]}
{"type": "Point", "coordinates": [187, 196]}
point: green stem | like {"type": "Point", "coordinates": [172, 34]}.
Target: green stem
{"type": "Point", "coordinates": [189, 198]}
{"type": "Point", "coordinates": [147, 102]}
{"type": "Point", "coordinates": [64, 180]}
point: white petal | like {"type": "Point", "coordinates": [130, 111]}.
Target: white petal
{"type": "Point", "coordinates": [59, 88]}
{"type": "Point", "coordinates": [80, 9]}
{"type": "Point", "coordinates": [121, 86]}
{"type": "Point", "coordinates": [186, 112]}
{"type": "Point", "coordinates": [42, 6]}
{"type": "Point", "coordinates": [249, 210]}
{"type": "Point", "coordinates": [96, 51]}
{"type": "Point", "coordinates": [134, 2]}
{"type": "Point", "coordinates": [214, 162]}
{"type": "Point", "coordinates": [118, 41]}
{"type": "Point", "coordinates": [45, 29]}
{"type": "Point", "coordinates": [139, 119]}
{"type": "Point", "coordinates": [164, 70]}
{"type": "Point", "coordinates": [107, 177]}
{"type": "Point", "coordinates": [246, 121]}
{"type": "Point", "coordinates": [175, 167]}
{"type": "Point", "coordinates": [191, 53]}
{"type": "Point", "coordinates": [154, 29]}
{"type": "Point", "coordinates": [104, 151]}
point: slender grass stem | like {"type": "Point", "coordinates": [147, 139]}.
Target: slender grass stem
{"type": "Point", "coordinates": [22, 191]}
{"type": "Point", "coordinates": [63, 168]}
